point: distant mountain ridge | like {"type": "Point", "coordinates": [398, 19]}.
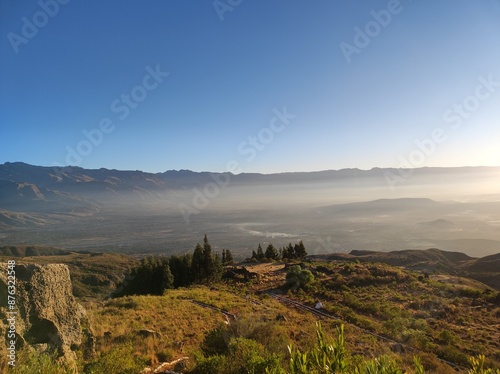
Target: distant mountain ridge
{"type": "Point", "coordinates": [72, 179]}
{"type": "Point", "coordinates": [28, 191]}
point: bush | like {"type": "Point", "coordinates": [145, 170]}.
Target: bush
{"type": "Point", "coordinates": [296, 277]}
{"type": "Point", "coordinates": [210, 365]}
{"type": "Point", "coordinates": [417, 338]}
{"type": "Point", "coordinates": [119, 360]}
{"type": "Point", "coordinates": [31, 362]}
{"type": "Point", "coordinates": [447, 336]}
{"type": "Point", "coordinates": [453, 354]}
{"type": "Point", "coordinates": [470, 292]}
{"type": "Point", "coordinates": [215, 342]}
{"type": "Point", "coordinates": [477, 364]}
{"type": "Point", "coordinates": [326, 357]}
{"type": "Point", "coordinates": [248, 356]}
{"type": "Point", "coordinates": [382, 365]}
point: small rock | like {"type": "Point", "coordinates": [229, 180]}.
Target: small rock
{"type": "Point", "coordinates": [398, 348]}
{"type": "Point", "coordinates": [145, 333]}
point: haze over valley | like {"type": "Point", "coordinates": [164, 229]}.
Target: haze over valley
{"type": "Point", "coordinates": [454, 209]}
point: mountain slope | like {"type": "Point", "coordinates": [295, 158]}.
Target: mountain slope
{"type": "Point", "coordinates": [485, 269]}
{"type": "Point", "coordinates": [100, 184]}
{"type": "Point", "coordinates": [28, 197]}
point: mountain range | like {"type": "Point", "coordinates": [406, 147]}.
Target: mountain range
{"type": "Point", "coordinates": [334, 210]}
{"type": "Point", "coordinates": [67, 188]}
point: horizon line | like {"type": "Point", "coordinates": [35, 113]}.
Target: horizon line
{"type": "Point", "coordinates": [260, 173]}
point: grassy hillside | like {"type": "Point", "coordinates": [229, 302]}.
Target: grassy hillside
{"type": "Point", "coordinates": [192, 325]}
{"type": "Point", "coordinates": [183, 324]}
{"type": "Point", "coordinates": [388, 311]}
{"type": "Point", "coordinates": [433, 260]}
{"type": "Point", "coordinates": [448, 316]}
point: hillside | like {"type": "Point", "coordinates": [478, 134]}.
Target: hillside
{"type": "Point", "coordinates": [432, 260]}
{"type": "Point", "coordinates": [441, 318]}
{"type": "Point", "coordinates": [434, 313]}
{"type": "Point", "coordinates": [9, 220]}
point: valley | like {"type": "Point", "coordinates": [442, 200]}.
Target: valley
{"type": "Point", "coordinates": [335, 211]}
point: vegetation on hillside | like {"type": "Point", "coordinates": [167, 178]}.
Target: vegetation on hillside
{"type": "Point", "coordinates": [155, 274]}
{"type": "Point", "coordinates": [450, 317]}
{"type": "Point", "coordinates": [254, 343]}
{"type": "Point", "coordinates": [390, 320]}
{"type": "Point", "coordinates": [298, 278]}
{"type": "Point", "coordinates": [290, 252]}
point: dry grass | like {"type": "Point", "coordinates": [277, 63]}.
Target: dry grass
{"type": "Point", "coordinates": [177, 319]}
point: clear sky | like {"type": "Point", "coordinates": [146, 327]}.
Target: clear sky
{"type": "Point", "coordinates": [318, 85]}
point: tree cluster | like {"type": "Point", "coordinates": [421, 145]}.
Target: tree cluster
{"type": "Point", "coordinates": [297, 251]}
{"type": "Point", "coordinates": [154, 275]}
{"type": "Point", "coordinates": [151, 277]}
{"type": "Point", "coordinates": [227, 257]}
{"type": "Point", "coordinates": [205, 267]}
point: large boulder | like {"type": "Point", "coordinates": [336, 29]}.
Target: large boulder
{"type": "Point", "coordinates": [48, 315]}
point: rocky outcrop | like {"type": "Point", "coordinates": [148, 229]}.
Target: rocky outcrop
{"type": "Point", "coordinates": [48, 316]}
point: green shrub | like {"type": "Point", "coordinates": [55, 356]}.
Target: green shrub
{"type": "Point", "coordinates": [215, 342]}
{"type": "Point", "coordinates": [326, 357]}
{"type": "Point", "coordinates": [380, 365]}
{"type": "Point", "coordinates": [470, 292]}
{"type": "Point", "coordinates": [477, 364]}
{"type": "Point", "coordinates": [210, 365]}
{"type": "Point", "coordinates": [453, 354]}
{"type": "Point", "coordinates": [296, 277]}
{"type": "Point", "coordinates": [31, 362]}
{"type": "Point", "coordinates": [418, 339]}
{"type": "Point", "coordinates": [448, 337]}
{"type": "Point", "coordinates": [248, 356]}
{"type": "Point", "coordinates": [119, 360]}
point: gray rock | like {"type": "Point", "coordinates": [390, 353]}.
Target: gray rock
{"type": "Point", "coordinates": [48, 314]}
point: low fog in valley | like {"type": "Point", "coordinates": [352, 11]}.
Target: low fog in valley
{"type": "Point", "coordinates": [337, 211]}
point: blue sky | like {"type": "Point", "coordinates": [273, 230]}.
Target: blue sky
{"type": "Point", "coordinates": [432, 68]}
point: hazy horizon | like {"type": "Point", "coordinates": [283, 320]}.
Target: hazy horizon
{"type": "Point", "coordinates": [133, 212]}
{"type": "Point", "coordinates": [160, 171]}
